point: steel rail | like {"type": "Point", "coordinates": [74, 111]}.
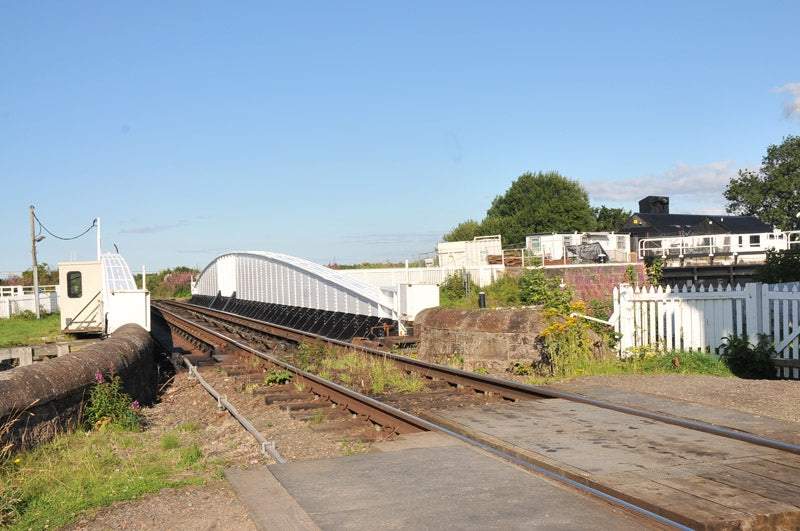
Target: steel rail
{"type": "Point", "coordinates": [420, 424]}
{"type": "Point", "coordinates": [516, 390]}
{"type": "Point", "coordinates": [392, 419]}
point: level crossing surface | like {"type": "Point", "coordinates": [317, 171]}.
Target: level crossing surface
{"type": "Point", "coordinates": [427, 481]}
{"type": "Point", "coordinates": [700, 480]}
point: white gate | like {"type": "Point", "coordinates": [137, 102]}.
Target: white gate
{"type": "Point", "coordinates": [699, 319]}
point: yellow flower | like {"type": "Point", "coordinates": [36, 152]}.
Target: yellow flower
{"type": "Point", "coordinates": [578, 306]}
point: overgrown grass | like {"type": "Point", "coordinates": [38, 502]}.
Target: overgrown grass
{"type": "Point", "coordinates": [384, 376]}
{"type": "Point", "coordinates": [353, 368]}
{"type": "Point", "coordinates": [56, 483]}
{"type": "Point", "coordinates": [9, 493]}
{"type": "Point", "coordinates": [24, 329]}
{"type": "Point", "coordinates": [651, 362]}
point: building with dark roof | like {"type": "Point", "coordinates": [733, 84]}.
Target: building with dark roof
{"type": "Point", "coordinates": [654, 220]}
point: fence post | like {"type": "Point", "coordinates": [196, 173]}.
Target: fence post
{"type": "Point", "coordinates": [754, 324]}
{"type": "Point", "coordinates": [623, 306]}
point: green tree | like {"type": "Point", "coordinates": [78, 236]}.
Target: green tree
{"type": "Point", "coordinates": [771, 193]}
{"type": "Point", "coordinates": [541, 202]}
{"type": "Point", "coordinates": [464, 231]}
{"type": "Point", "coordinates": [610, 219]}
{"type": "Point", "coordinates": [47, 276]}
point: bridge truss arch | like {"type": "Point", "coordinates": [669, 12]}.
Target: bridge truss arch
{"type": "Point", "coordinates": [293, 292]}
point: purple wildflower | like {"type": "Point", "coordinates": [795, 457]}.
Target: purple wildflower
{"type": "Point", "coordinates": [98, 376]}
{"type": "Point", "coordinates": [135, 405]}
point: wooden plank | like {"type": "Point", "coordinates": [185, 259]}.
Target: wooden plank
{"type": "Point", "coordinates": [686, 508]}
{"type": "Point", "coordinates": [770, 469]}
{"type": "Point", "coordinates": [731, 495]}
{"type": "Point", "coordinates": [783, 362]}
{"type": "Point", "coordinates": [765, 487]}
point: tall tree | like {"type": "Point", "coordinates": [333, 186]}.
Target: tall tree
{"type": "Point", "coordinates": [610, 219]}
{"type": "Point", "coordinates": [47, 276]}
{"type": "Point", "coordinates": [541, 202]}
{"type": "Point", "coordinates": [464, 231]}
{"type": "Point", "coordinates": [771, 193]}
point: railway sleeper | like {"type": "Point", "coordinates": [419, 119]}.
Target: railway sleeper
{"type": "Point", "coordinates": [271, 397]}
{"type": "Point", "coordinates": [302, 406]}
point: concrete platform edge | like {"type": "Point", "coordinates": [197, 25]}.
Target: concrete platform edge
{"type": "Point", "coordinates": [267, 502]}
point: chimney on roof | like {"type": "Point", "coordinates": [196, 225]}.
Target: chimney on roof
{"type": "Point", "coordinates": [654, 204]}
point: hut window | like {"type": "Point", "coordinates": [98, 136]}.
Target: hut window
{"type": "Point", "coordinates": [74, 285]}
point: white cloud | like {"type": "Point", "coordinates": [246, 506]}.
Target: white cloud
{"type": "Point", "coordinates": [150, 229]}
{"type": "Point", "coordinates": [691, 189]}
{"type": "Point", "coordinates": [791, 109]}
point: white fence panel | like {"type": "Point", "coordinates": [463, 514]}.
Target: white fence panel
{"type": "Point", "coordinates": [699, 319]}
{"type": "Point", "coordinates": [391, 277]}
{"type": "Point", "coordinates": [48, 302]}
{"type": "Point", "coordinates": [781, 322]}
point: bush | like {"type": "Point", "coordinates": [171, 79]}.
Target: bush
{"type": "Point", "coordinates": [780, 266]}
{"type": "Point", "coordinates": [654, 267]}
{"type": "Point", "coordinates": [535, 287]}
{"type": "Point", "coordinates": [504, 291]}
{"type": "Point", "coordinates": [567, 346]}
{"type": "Point", "coordinates": [456, 289]}
{"type": "Point", "coordinates": [109, 406]}
{"type": "Point", "coordinates": [746, 361]}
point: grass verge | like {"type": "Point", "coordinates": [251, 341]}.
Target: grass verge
{"type": "Point", "coordinates": [24, 330]}
{"type": "Point", "coordinates": [80, 473]}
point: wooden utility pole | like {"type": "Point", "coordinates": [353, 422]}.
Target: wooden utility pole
{"type": "Point", "coordinates": [35, 265]}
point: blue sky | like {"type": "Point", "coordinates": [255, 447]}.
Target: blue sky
{"type": "Point", "coordinates": [364, 131]}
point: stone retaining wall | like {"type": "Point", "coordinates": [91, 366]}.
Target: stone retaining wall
{"type": "Point", "coordinates": [48, 397]}
{"type": "Point", "coordinates": [490, 339]}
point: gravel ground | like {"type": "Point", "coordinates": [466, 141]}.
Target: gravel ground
{"type": "Point", "coordinates": [779, 399]}
{"type": "Point", "coordinates": [215, 506]}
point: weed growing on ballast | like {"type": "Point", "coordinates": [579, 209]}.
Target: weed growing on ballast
{"type": "Point", "coordinates": [278, 377]}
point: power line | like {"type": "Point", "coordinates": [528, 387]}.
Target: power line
{"type": "Point", "coordinates": [42, 226]}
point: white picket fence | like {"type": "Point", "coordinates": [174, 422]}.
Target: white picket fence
{"type": "Point", "coordinates": [699, 319]}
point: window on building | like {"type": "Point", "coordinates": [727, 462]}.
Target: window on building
{"type": "Point", "coordinates": [755, 240]}
{"type": "Point", "coordinates": [74, 285]}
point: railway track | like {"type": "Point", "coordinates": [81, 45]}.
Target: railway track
{"type": "Point", "coordinates": [224, 336]}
